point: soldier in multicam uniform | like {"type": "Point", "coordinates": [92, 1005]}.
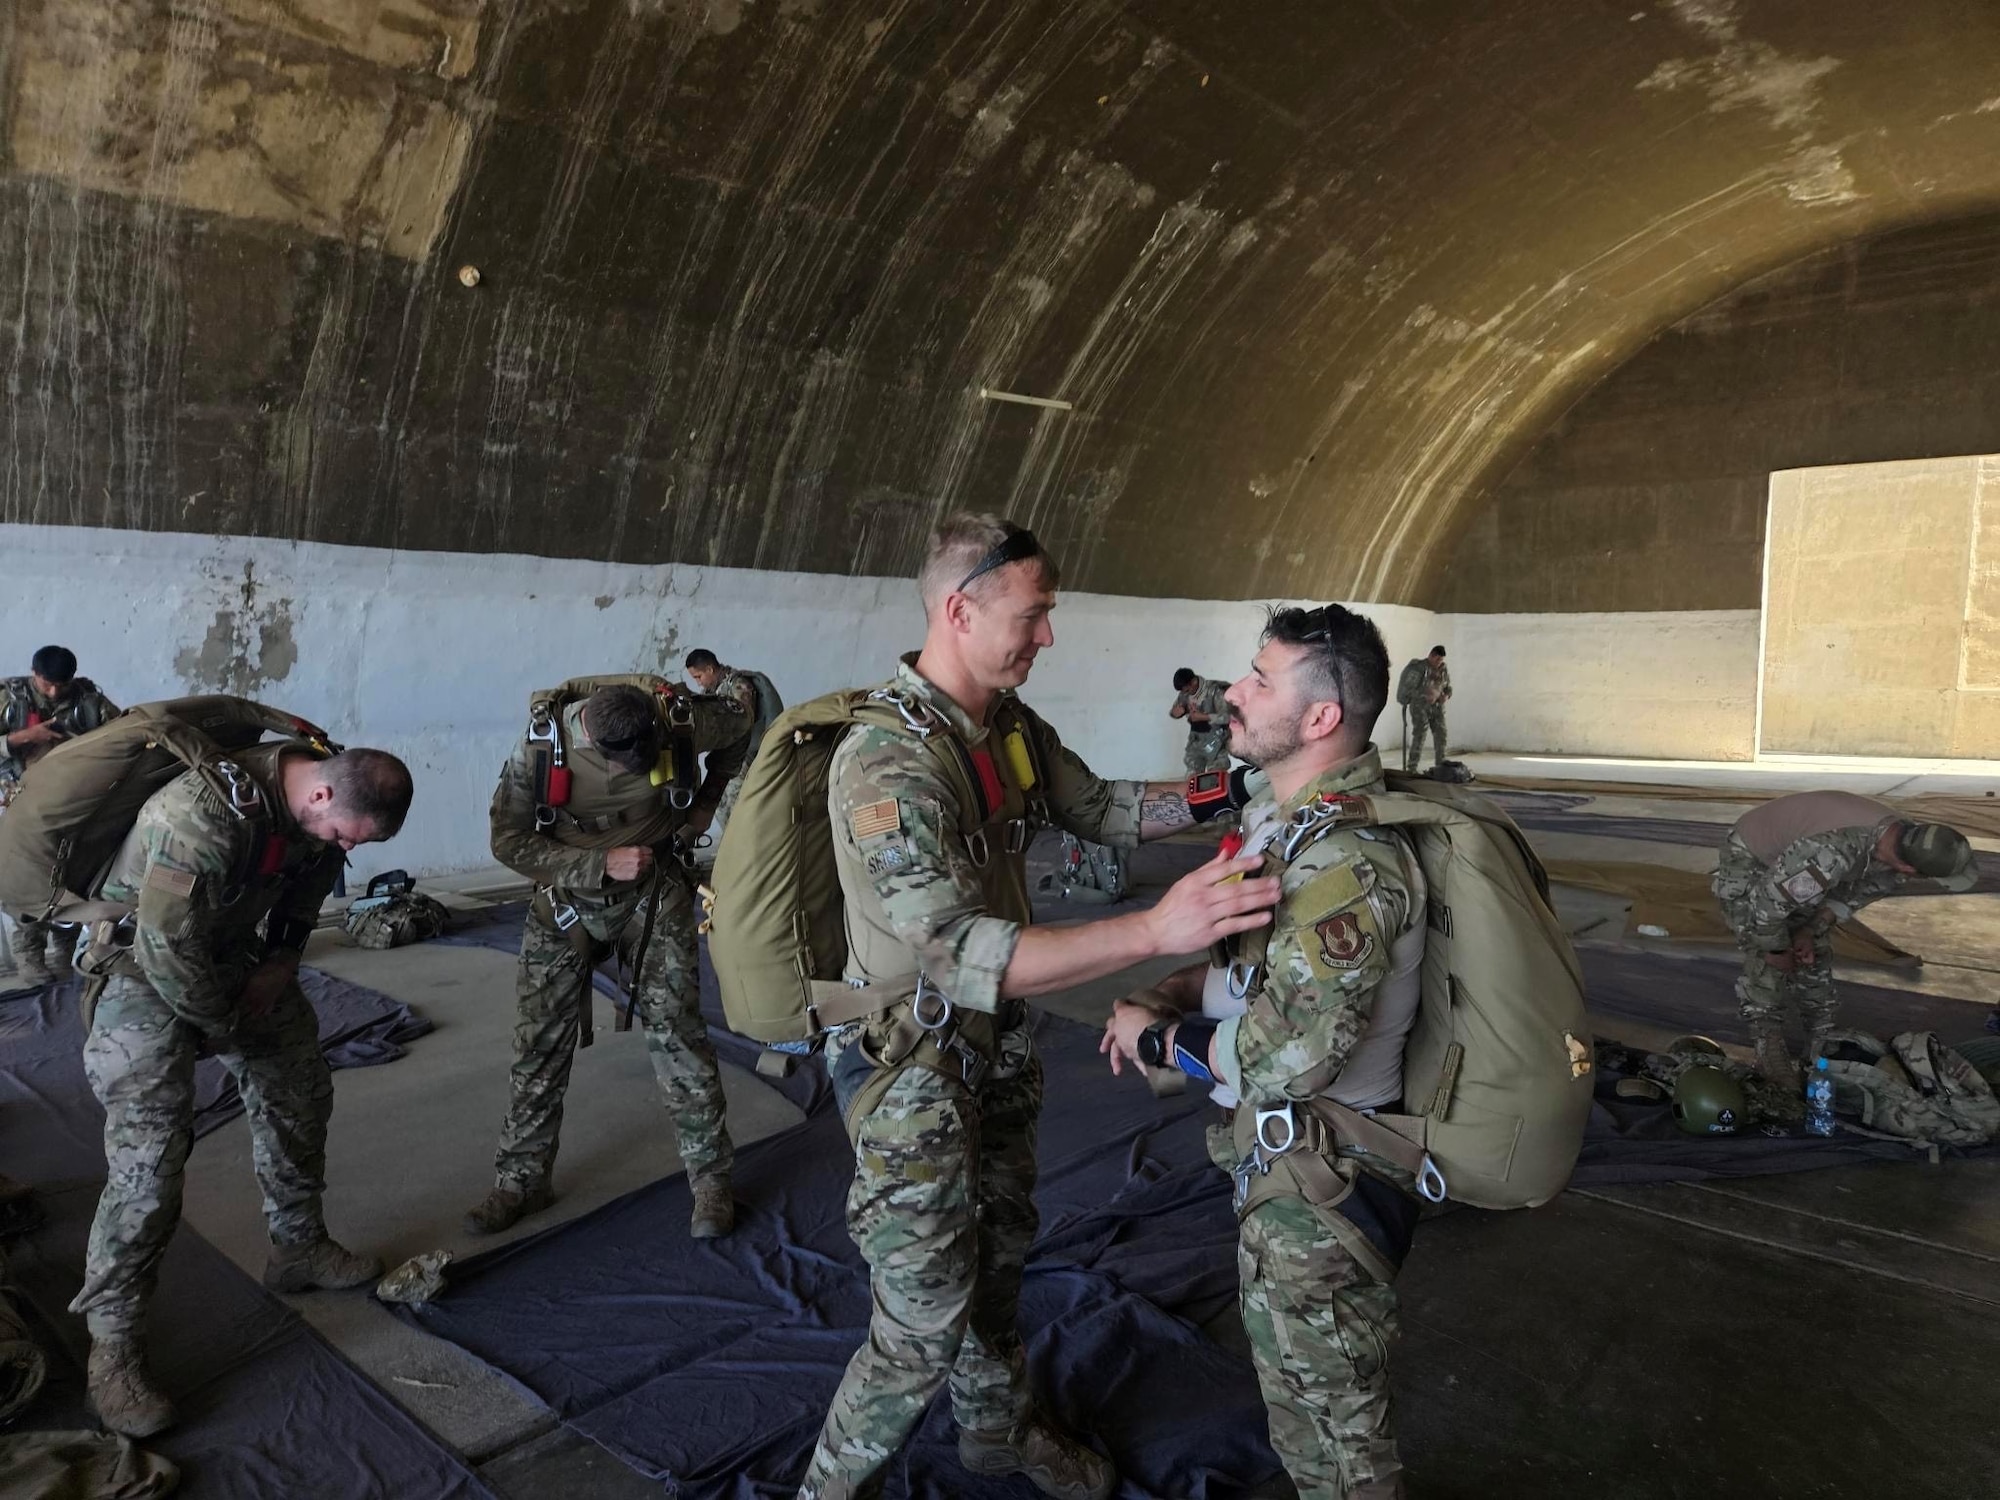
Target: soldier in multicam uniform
{"type": "Point", "coordinates": [1423, 689]}
{"type": "Point", "coordinates": [612, 880]}
{"type": "Point", "coordinates": [1200, 701]}
{"type": "Point", "coordinates": [37, 712]}
{"type": "Point", "coordinates": [942, 1092]}
{"type": "Point", "coordinates": [188, 972]}
{"type": "Point", "coordinates": [1340, 989]}
{"type": "Point", "coordinates": [753, 692]}
{"type": "Point", "coordinates": [1789, 871]}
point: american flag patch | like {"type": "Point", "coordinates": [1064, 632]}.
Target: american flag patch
{"type": "Point", "coordinates": [876, 819]}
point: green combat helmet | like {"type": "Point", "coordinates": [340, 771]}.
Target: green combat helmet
{"type": "Point", "coordinates": [1707, 1101]}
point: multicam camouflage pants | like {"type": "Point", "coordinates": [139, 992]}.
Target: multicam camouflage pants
{"type": "Point", "coordinates": [943, 1209]}
{"type": "Point", "coordinates": [1424, 718]}
{"type": "Point", "coordinates": [1742, 884]}
{"type": "Point", "coordinates": [550, 994]}
{"type": "Point", "coordinates": [140, 1059]}
{"type": "Point", "coordinates": [1320, 1330]}
{"type": "Point", "coordinates": [1207, 752]}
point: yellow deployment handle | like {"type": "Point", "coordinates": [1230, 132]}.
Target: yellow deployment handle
{"type": "Point", "coordinates": [1019, 761]}
{"type": "Point", "coordinates": [663, 768]}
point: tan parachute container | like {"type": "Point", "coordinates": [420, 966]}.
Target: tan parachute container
{"type": "Point", "coordinates": [777, 921]}
{"type": "Point", "coordinates": [1497, 1074]}
{"type": "Point", "coordinates": [76, 804]}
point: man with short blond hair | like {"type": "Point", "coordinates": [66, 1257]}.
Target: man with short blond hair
{"type": "Point", "coordinates": [943, 1110]}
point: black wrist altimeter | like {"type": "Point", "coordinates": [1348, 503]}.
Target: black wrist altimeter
{"type": "Point", "coordinates": [1153, 1042]}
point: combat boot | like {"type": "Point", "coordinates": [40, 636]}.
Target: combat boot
{"type": "Point", "coordinates": [714, 1207]}
{"type": "Point", "coordinates": [31, 969]}
{"type": "Point", "coordinates": [320, 1264]}
{"type": "Point", "coordinates": [122, 1393]}
{"type": "Point", "coordinates": [507, 1205]}
{"type": "Point", "coordinates": [1051, 1460]}
{"type": "Point", "coordinates": [1774, 1061]}
{"type": "Point", "coordinates": [61, 954]}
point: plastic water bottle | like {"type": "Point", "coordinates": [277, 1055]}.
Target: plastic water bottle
{"type": "Point", "coordinates": [1819, 1099]}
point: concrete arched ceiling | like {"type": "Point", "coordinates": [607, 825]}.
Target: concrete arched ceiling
{"type": "Point", "coordinates": [1311, 273]}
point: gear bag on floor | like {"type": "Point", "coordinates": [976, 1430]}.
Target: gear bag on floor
{"type": "Point", "coordinates": [1913, 1088]}
{"type": "Point", "coordinates": [78, 802]}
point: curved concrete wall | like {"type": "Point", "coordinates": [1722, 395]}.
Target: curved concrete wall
{"type": "Point", "coordinates": [1310, 275]}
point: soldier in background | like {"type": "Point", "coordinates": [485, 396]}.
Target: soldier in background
{"type": "Point", "coordinates": [610, 879]}
{"type": "Point", "coordinates": [754, 693]}
{"type": "Point", "coordinates": [1790, 870]}
{"type": "Point", "coordinates": [1199, 700]}
{"type": "Point", "coordinates": [37, 712]}
{"type": "Point", "coordinates": [1423, 689]}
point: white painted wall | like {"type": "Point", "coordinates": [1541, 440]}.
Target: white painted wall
{"type": "Point", "coordinates": [432, 655]}
{"type": "Point", "coordinates": [1672, 685]}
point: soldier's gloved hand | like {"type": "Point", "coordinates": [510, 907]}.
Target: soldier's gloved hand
{"type": "Point", "coordinates": [1803, 947]}
{"type": "Point", "coordinates": [698, 821]}
{"type": "Point", "coordinates": [266, 982]}
{"type": "Point", "coordinates": [1782, 960]}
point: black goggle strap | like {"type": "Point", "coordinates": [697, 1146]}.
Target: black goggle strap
{"type": "Point", "coordinates": [1017, 546]}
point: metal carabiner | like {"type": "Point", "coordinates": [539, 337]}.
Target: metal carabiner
{"type": "Point", "coordinates": [541, 725]}
{"type": "Point", "coordinates": [928, 991]}
{"type": "Point", "coordinates": [977, 847]}
{"type": "Point", "coordinates": [918, 717]}
{"type": "Point", "coordinates": [565, 916]}
{"type": "Point", "coordinates": [680, 799]}
{"type": "Point", "coordinates": [1243, 978]}
{"type": "Point", "coordinates": [1430, 1181]}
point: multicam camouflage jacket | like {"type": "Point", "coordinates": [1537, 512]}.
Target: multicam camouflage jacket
{"type": "Point", "coordinates": [1345, 902]}
{"type": "Point", "coordinates": [204, 878]}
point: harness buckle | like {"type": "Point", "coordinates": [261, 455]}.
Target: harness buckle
{"type": "Point", "coordinates": [1019, 835]}
{"type": "Point", "coordinates": [565, 916]}
{"type": "Point", "coordinates": [1243, 978]}
{"type": "Point", "coordinates": [680, 799]}
{"type": "Point", "coordinates": [1430, 1181]}
{"type": "Point", "coordinates": [1268, 1138]}
{"type": "Point", "coordinates": [541, 725]}
{"type": "Point", "coordinates": [977, 847]}
{"type": "Point", "coordinates": [244, 795]}
{"type": "Point", "coordinates": [926, 991]}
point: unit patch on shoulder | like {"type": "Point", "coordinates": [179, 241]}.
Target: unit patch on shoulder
{"type": "Point", "coordinates": [173, 882]}
{"type": "Point", "coordinates": [876, 819]}
{"type": "Point", "coordinates": [1342, 941]}
{"type": "Point", "coordinates": [1804, 886]}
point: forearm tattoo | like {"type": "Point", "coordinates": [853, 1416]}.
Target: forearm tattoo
{"type": "Point", "coordinates": [1166, 807]}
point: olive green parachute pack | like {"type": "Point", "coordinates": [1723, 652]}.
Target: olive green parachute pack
{"type": "Point", "coordinates": [777, 931]}
{"type": "Point", "coordinates": [78, 802]}
{"type": "Point", "coordinates": [1497, 1071]}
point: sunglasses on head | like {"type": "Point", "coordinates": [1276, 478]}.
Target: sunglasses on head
{"type": "Point", "coordinates": [1018, 545]}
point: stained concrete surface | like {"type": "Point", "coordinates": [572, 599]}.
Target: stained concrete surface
{"type": "Point", "coordinates": [1810, 1335]}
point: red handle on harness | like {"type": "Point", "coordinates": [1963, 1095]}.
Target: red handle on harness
{"type": "Point", "coordinates": [558, 786]}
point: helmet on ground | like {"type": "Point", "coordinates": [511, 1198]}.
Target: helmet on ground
{"type": "Point", "coordinates": [1707, 1101]}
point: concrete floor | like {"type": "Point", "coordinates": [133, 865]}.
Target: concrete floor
{"type": "Point", "coordinates": [1827, 1333]}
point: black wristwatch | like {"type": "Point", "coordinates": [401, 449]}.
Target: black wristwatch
{"type": "Point", "coordinates": [1153, 1042]}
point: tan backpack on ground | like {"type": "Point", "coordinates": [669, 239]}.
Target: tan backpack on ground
{"type": "Point", "coordinates": [77, 803]}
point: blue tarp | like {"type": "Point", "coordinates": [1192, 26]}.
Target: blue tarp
{"type": "Point", "coordinates": [268, 1407]}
